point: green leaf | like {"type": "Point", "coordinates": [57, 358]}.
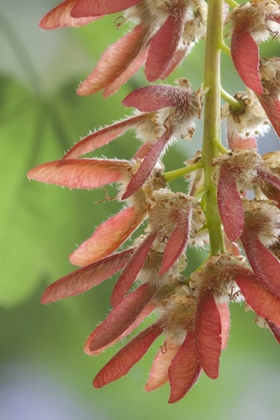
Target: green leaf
{"type": "Point", "coordinates": [40, 225]}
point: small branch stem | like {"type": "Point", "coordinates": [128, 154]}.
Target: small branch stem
{"type": "Point", "coordinates": [200, 193]}
{"type": "Point", "coordinates": [222, 149]}
{"type": "Point", "coordinates": [170, 176]}
{"type": "Point", "coordinates": [232, 3]}
{"type": "Point", "coordinates": [234, 103]}
{"type": "Point", "coordinates": [225, 49]}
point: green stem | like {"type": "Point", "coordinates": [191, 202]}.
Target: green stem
{"type": "Point", "coordinates": [236, 106]}
{"type": "Point", "coordinates": [232, 3]}
{"type": "Point", "coordinates": [212, 121]}
{"type": "Point", "coordinates": [170, 176]}
{"type": "Point", "coordinates": [225, 49]}
{"type": "Point", "coordinates": [222, 149]}
{"type": "Point", "coordinates": [200, 193]}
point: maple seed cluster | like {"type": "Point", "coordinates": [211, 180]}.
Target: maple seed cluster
{"type": "Point", "coordinates": [192, 313]}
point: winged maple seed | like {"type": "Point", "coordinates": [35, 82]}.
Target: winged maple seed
{"type": "Point", "coordinates": [192, 312]}
{"type": "Point", "coordinates": [255, 22]}
{"type": "Point", "coordinates": [240, 170]}
{"type": "Point", "coordinates": [272, 161]}
{"type": "Point", "coordinates": [245, 124]}
{"type": "Point", "coordinates": [168, 112]}
{"type": "Point", "coordinates": [164, 34]}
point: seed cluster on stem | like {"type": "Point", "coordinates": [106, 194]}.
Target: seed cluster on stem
{"type": "Point", "coordinates": [242, 234]}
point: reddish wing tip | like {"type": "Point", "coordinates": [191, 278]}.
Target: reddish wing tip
{"type": "Point", "coordinates": [121, 317]}
{"type": "Point", "coordinates": [60, 17]}
{"type": "Point", "coordinates": [153, 98]}
{"type": "Point", "coordinates": [223, 309]}
{"type": "Point", "coordinates": [230, 205]}
{"type": "Point", "coordinates": [272, 110]}
{"type": "Point", "coordinates": [100, 7]}
{"type": "Point", "coordinates": [127, 357]}
{"type": "Point", "coordinates": [130, 272]}
{"type": "Point", "coordinates": [127, 74]}
{"type": "Point", "coordinates": [143, 315]}
{"type": "Point", "coordinates": [177, 243]}
{"type": "Point", "coordinates": [114, 61]}
{"type": "Point", "coordinates": [265, 265]}
{"type": "Point", "coordinates": [104, 136]}
{"type": "Point", "coordinates": [245, 56]}
{"type": "Point", "coordinates": [263, 302]}
{"type": "Point", "coordinates": [163, 46]}
{"type": "Point", "coordinates": [159, 372]}
{"type": "Point", "coordinates": [108, 236]}
{"type": "Point", "coordinates": [176, 60]}
{"type": "Point", "coordinates": [207, 334]}
{"type": "Point", "coordinates": [85, 278]}
{"type": "Point", "coordinates": [275, 330]}
{"type": "Point", "coordinates": [80, 173]}
{"type": "Point", "coordinates": [264, 174]}
{"type": "Point", "coordinates": [148, 164]}
{"type": "Point", "coordinates": [241, 143]}
{"type": "Point", "coordinates": [184, 370]}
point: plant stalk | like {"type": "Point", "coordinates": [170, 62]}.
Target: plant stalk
{"type": "Point", "coordinates": [212, 121]}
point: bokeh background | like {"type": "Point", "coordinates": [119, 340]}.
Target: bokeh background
{"type": "Point", "coordinates": [44, 373]}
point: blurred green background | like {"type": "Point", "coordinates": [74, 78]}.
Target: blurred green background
{"type": "Point", "coordinates": [44, 373]}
